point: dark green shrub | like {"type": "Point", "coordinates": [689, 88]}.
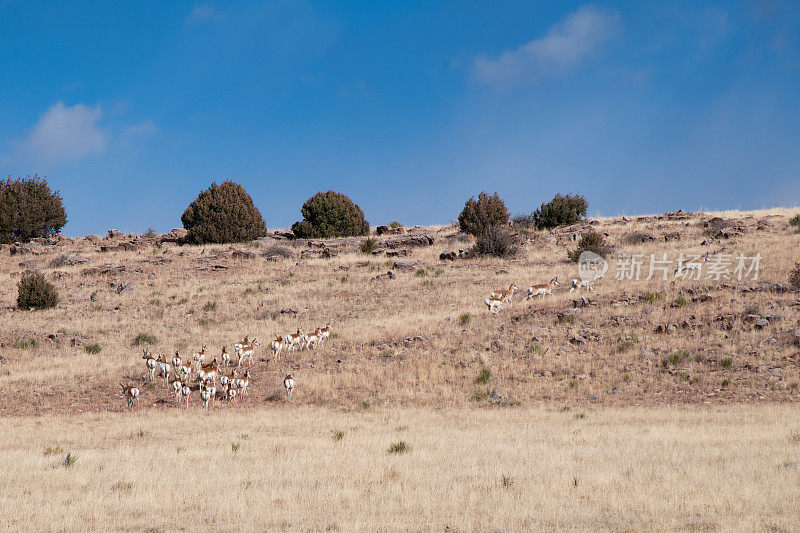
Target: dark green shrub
{"type": "Point", "coordinates": [483, 376]}
{"type": "Point", "coordinates": [223, 213]}
{"type": "Point", "coordinates": [144, 338]}
{"type": "Point", "coordinates": [795, 221]}
{"type": "Point", "coordinates": [496, 241]}
{"type": "Point", "coordinates": [368, 245]}
{"type": "Point", "coordinates": [330, 214]}
{"type": "Point", "coordinates": [591, 241]}
{"type": "Point", "coordinates": [395, 224]}
{"type": "Point", "coordinates": [93, 349]}
{"type": "Point", "coordinates": [479, 215]}
{"type": "Point", "coordinates": [794, 277]}
{"type": "Point", "coordinates": [29, 209]}
{"type": "Point", "coordinates": [399, 447]}
{"type": "Point", "coordinates": [34, 291]}
{"type": "Point", "coordinates": [560, 211]}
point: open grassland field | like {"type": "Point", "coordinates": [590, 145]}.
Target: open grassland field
{"type": "Point", "coordinates": [424, 338]}
{"type": "Point", "coordinates": [707, 468]}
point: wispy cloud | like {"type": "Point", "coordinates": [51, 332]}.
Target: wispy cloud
{"type": "Point", "coordinates": [142, 129]}
{"type": "Point", "coordinates": [202, 13]}
{"type": "Point", "coordinates": [63, 134]}
{"type": "Point", "coordinates": [565, 46]}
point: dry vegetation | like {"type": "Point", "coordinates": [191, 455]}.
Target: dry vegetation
{"type": "Point", "coordinates": [545, 401]}
{"type": "Point", "coordinates": [526, 469]}
{"type": "Point", "coordinates": [419, 339]}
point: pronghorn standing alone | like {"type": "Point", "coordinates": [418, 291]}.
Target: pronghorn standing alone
{"type": "Point", "coordinates": [276, 346]}
{"type": "Point", "coordinates": [151, 364]}
{"type": "Point", "coordinates": [131, 394]}
{"type": "Point", "coordinates": [288, 384]}
{"type": "Point", "coordinates": [494, 304]}
{"type": "Point", "coordinates": [543, 289]}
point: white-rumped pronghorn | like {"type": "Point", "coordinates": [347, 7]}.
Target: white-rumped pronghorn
{"type": "Point", "coordinates": [131, 394]}
{"type": "Point", "coordinates": [164, 367]}
{"type": "Point", "coordinates": [578, 284]}
{"type": "Point", "coordinates": [205, 396]}
{"type": "Point", "coordinates": [507, 295]}
{"type": "Point", "coordinates": [151, 364]}
{"type": "Point", "coordinates": [543, 289]}
{"type": "Point", "coordinates": [185, 372]}
{"type": "Point", "coordinates": [209, 371]}
{"type": "Point", "coordinates": [276, 346]}
{"type": "Point", "coordinates": [311, 339]}
{"type": "Point", "coordinates": [238, 346]}
{"type": "Point", "coordinates": [230, 394]}
{"type": "Point", "coordinates": [693, 266]}
{"type": "Point", "coordinates": [246, 351]}
{"type": "Point", "coordinates": [185, 392]}
{"type": "Point", "coordinates": [199, 358]}
{"type": "Point", "coordinates": [176, 388]}
{"type": "Point", "coordinates": [324, 333]}
{"type": "Point", "coordinates": [494, 304]}
{"type": "Point", "coordinates": [242, 383]}
{"type": "Point", "coordinates": [223, 379]}
{"type": "Point", "coordinates": [288, 384]}
{"type": "Point", "coordinates": [294, 339]}
{"type": "Point", "coordinates": [176, 361]}
{"type": "Point", "coordinates": [225, 357]}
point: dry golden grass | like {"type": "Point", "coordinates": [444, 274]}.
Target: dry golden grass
{"type": "Point", "coordinates": [532, 469]}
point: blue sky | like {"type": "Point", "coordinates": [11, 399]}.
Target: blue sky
{"type": "Point", "coordinates": [132, 108]}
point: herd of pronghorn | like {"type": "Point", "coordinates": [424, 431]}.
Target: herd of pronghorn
{"type": "Point", "coordinates": [233, 384]}
{"type": "Point", "coordinates": [497, 298]}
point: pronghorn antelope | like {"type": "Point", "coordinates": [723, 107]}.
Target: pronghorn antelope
{"type": "Point", "coordinates": [506, 295]}
{"type": "Point", "coordinates": [185, 392]}
{"type": "Point", "coordinates": [543, 289]}
{"type": "Point", "coordinates": [131, 394]}
{"type": "Point", "coordinates": [494, 304]}
{"type": "Point", "coordinates": [242, 383]}
{"type": "Point", "coordinates": [209, 371]}
{"type": "Point", "coordinates": [200, 357]}
{"type": "Point", "coordinates": [223, 379]}
{"type": "Point", "coordinates": [246, 351]}
{"type": "Point", "coordinates": [312, 338]}
{"type": "Point", "coordinates": [693, 266]}
{"type": "Point", "coordinates": [176, 361]}
{"type": "Point", "coordinates": [325, 333]}
{"type": "Point", "coordinates": [225, 357]}
{"type": "Point", "coordinates": [276, 346]}
{"type": "Point", "coordinates": [205, 396]}
{"type": "Point", "coordinates": [230, 394]}
{"type": "Point", "coordinates": [185, 372]}
{"type": "Point", "coordinates": [578, 284]}
{"type": "Point", "coordinates": [294, 339]}
{"type": "Point", "coordinates": [164, 367]}
{"type": "Point", "coordinates": [212, 390]}
{"type": "Point", "coordinates": [238, 346]}
{"type": "Point", "coordinates": [177, 386]}
{"type": "Point", "coordinates": [288, 384]}
{"type": "Point", "coordinates": [151, 364]}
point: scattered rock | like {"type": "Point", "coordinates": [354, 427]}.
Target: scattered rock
{"type": "Point", "coordinates": [327, 253]}
{"type": "Point", "coordinates": [405, 265]}
{"type": "Point", "coordinates": [122, 286]}
{"type": "Point", "coordinates": [386, 276]}
{"type": "Point", "coordinates": [448, 255]}
{"type": "Point", "coordinates": [761, 324]}
{"type": "Point", "coordinates": [498, 344]}
{"type": "Point", "coordinates": [109, 268]}
{"type": "Point", "coordinates": [238, 253]}
{"type": "Point", "coordinates": [68, 260]}
{"type": "Point", "coordinates": [397, 253]}
{"type": "Point", "coordinates": [568, 312]}
{"type": "Point", "coordinates": [577, 339]}
{"type": "Point", "coordinates": [114, 234]}
{"type": "Point", "coordinates": [388, 230]}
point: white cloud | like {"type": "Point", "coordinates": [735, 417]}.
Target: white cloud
{"type": "Point", "coordinates": [565, 45]}
{"type": "Point", "coordinates": [201, 13]}
{"type": "Point", "coordinates": [64, 133]}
